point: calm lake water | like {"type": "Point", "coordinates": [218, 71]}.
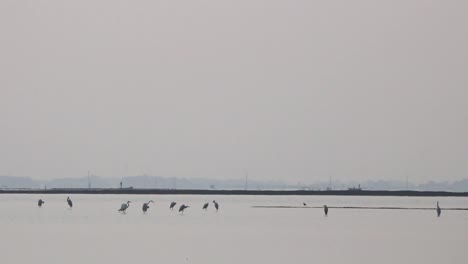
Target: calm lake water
{"type": "Point", "coordinates": [94, 232]}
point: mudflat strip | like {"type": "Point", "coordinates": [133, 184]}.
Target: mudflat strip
{"type": "Point", "coordinates": [355, 207]}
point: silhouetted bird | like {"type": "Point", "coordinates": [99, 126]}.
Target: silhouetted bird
{"type": "Point", "coordinates": [69, 201]}
{"type": "Point", "coordinates": [146, 206]}
{"type": "Point", "coordinates": [325, 210]}
{"type": "Point", "coordinates": [439, 211]}
{"type": "Point", "coordinates": [40, 202]}
{"type": "Point", "coordinates": [216, 205]}
{"type": "Point", "coordinates": [124, 207]}
{"type": "Point", "coordinates": [304, 204]}
{"type": "Point", "coordinates": [182, 208]}
{"type": "Point", "coordinates": [205, 206]}
{"type": "Point", "coordinates": [172, 205]}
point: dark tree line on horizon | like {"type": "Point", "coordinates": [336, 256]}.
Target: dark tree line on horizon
{"type": "Point", "coordinates": [145, 181]}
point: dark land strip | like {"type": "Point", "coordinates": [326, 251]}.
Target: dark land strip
{"type": "Point", "coordinates": [355, 207]}
{"type": "Point", "coordinates": [231, 192]}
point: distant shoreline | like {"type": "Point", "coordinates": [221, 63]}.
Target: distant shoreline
{"type": "Point", "coordinates": [232, 192]}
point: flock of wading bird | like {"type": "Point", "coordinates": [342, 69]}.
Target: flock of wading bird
{"type": "Point", "coordinates": [144, 208]}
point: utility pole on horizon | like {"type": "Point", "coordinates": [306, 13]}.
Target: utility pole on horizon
{"type": "Point", "coordinates": [89, 182]}
{"type": "Point", "coordinates": [246, 180]}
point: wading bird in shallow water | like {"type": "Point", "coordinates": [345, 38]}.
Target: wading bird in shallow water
{"type": "Point", "coordinates": [69, 201]}
{"type": "Point", "coordinates": [439, 211]}
{"type": "Point", "coordinates": [205, 206]}
{"type": "Point", "coordinates": [40, 202]}
{"type": "Point", "coordinates": [146, 206]}
{"type": "Point", "coordinates": [325, 210]}
{"type": "Point", "coordinates": [172, 205]}
{"type": "Point", "coordinates": [216, 205]}
{"type": "Point", "coordinates": [182, 208]}
{"type": "Point", "coordinates": [124, 207]}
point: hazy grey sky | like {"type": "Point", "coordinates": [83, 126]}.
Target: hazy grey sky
{"type": "Point", "coordinates": [290, 90]}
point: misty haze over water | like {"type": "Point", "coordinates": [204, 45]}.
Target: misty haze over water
{"type": "Point", "coordinates": [289, 90]}
{"type": "Point", "coordinates": [233, 95]}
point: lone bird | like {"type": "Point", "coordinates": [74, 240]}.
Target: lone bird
{"type": "Point", "coordinates": [304, 204]}
{"type": "Point", "coordinates": [439, 211]}
{"type": "Point", "coordinates": [146, 206]}
{"type": "Point", "coordinates": [70, 203]}
{"type": "Point", "coordinates": [172, 205]}
{"type": "Point", "coordinates": [216, 205]}
{"type": "Point", "coordinates": [40, 202]}
{"type": "Point", "coordinates": [124, 207]}
{"type": "Point", "coordinates": [325, 210]}
{"type": "Point", "coordinates": [205, 206]}
{"type": "Point", "coordinates": [182, 208]}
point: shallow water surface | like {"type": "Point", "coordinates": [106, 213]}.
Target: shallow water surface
{"type": "Point", "coordinates": [94, 232]}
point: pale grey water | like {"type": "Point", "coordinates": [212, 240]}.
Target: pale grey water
{"type": "Point", "coordinates": [94, 232]}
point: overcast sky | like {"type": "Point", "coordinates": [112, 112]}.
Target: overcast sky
{"type": "Point", "coordinates": [289, 90]}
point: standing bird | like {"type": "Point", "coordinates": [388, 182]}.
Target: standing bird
{"type": "Point", "coordinates": [146, 206]}
{"type": "Point", "coordinates": [304, 204]}
{"type": "Point", "coordinates": [182, 208]}
{"type": "Point", "coordinates": [70, 203]}
{"type": "Point", "coordinates": [40, 202]}
{"type": "Point", "coordinates": [216, 205]}
{"type": "Point", "coordinates": [205, 206]}
{"type": "Point", "coordinates": [439, 211]}
{"type": "Point", "coordinates": [325, 210]}
{"type": "Point", "coordinates": [124, 207]}
{"type": "Point", "coordinates": [172, 205]}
